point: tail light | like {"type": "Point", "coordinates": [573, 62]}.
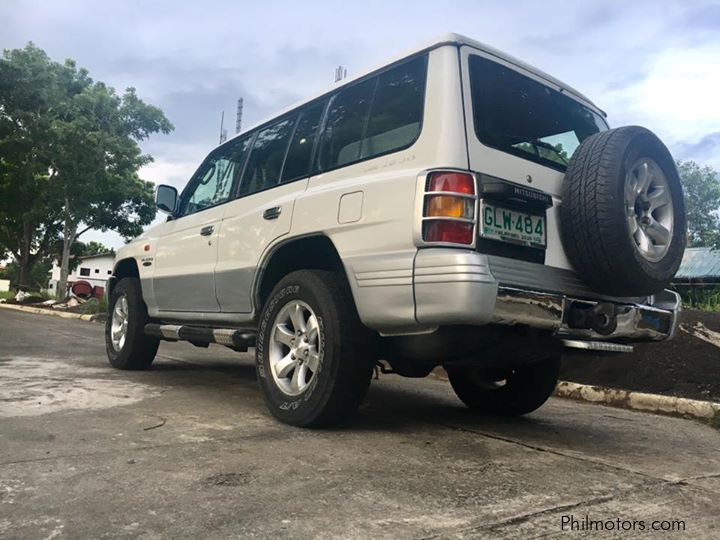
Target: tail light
{"type": "Point", "coordinates": [449, 208]}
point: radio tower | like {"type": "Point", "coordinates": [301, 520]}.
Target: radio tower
{"type": "Point", "coordinates": [340, 73]}
{"type": "Point", "coordinates": [238, 119]}
{"type": "Point", "coordinates": [223, 131]}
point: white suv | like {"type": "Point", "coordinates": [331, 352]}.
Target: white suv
{"type": "Point", "coordinates": [453, 207]}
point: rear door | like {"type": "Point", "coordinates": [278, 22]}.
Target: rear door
{"type": "Point", "coordinates": [276, 173]}
{"type": "Point", "coordinates": [187, 246]}
{"type": "Point", "coordinates": [520, 124]}
{"type": "Point", "coordinates": [522, 128]}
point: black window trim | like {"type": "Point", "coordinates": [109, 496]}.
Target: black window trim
{"type": "Point", "coordinates": [424, 54]}
{"type": "Point", "coordinates": [255, 131]}
{"type": "Point", "coordinates": [325, 101]}
{"type": "Point", "coordinates": [314, 168]}
{"type": "Point", "coordinates": [287, 148]}
{"type": "Point", "coordinates": [539, 160]}
{"type": "Point", "coordinates": [235, 194]}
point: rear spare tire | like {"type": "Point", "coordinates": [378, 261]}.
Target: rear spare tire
{"type": "Point", "coordinates": [622, 213]}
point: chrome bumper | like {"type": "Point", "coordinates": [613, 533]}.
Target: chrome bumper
{"type": "Point", "coordinates": [413, 292]}
{"type": "Point", "coordinates": [655, 321]}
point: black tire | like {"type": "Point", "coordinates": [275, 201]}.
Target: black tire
{"type": "Point", "coordinates": [139, 350]}
{"type": "Point", "coordinates": [340, 383]}
{"type": "Point", "coordinates": [594, 226]}
{"type": "Point", "coordinates": [526, 388]}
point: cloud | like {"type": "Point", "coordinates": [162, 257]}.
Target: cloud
{"type": "Point", "coordinates": [677, 99]}
{"type": "Point", "coordinates": [643, 62]}
{"type": "Point", "coordinates": [705, 151]}
{"type": "Point", "coordinates": [707, 144]}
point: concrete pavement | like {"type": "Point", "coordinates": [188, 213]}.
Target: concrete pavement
{"type": "Point", "coordinates": [188, 450]}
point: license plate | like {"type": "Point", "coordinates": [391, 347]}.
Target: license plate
{"type": "Point", "coordinates": [507, 225]}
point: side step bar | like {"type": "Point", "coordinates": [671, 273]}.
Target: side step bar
{"type": "Point", "coordinates": [601, 346]}
{"type": "Point", "coordinates": [238, 340]}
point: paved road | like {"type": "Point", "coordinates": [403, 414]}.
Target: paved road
{"type": "Point", "coordinates": [188, 450]}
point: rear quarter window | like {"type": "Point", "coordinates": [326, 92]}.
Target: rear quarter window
{"type": "Point", "coordinates": [375, 116]}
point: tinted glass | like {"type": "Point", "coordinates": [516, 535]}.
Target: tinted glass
{"type": "Point", "coordinates": [297, 162]}
{"type": "Point", "coordinates": [214, 180]}
{"type": "Point", "coordinates": [518, 115]}
{"type": "Point", "coordinates": [376, 116]}
{"type": "Point", "coordinates": [266, 159]}
{"type": "Point", "coordinates": [397, 108]}
{"type": "Point", "coordinates": [345, 125]}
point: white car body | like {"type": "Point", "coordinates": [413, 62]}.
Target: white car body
{"type": "Point", "coordinates": [371, 213]}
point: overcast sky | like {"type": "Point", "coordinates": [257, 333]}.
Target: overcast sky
{"type": "Point", "coordinates": [654, 63]}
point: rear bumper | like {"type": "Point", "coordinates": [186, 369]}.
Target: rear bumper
{"type": "Point", "coordinates": [458, 287]}
{"type": "Point", "coordinates": [635, 322]}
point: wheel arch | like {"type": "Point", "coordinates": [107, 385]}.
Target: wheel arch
{"type": "Point", "coordinates": [314, 252]}
{"type": "Point", "coordinates": [123, 268]}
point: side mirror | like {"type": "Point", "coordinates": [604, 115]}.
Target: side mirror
{"type": "Point", "coordinates": [166, 199]}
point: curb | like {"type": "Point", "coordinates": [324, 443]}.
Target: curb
{"type": "Point", "coordinates": [640, 401]}
{"type": "Point", "coordinates": [707, 411]}
{"type": "Point", "coordinates": [41, 311]}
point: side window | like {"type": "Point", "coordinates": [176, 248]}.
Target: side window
{"type": "Point", "coordinates": [266, 159]}
{"type": "Point", "coordinates": [213, 182]}
{"type": "Point", "coordinates": [345, 125]}
{"type": "Point", "coordinates": [397, 108]}
{"type": "Point", "coordinates": [376, 116]}
{"type": "Point", "coordinates": [84, 271]}
{"type": "Point", "coordinates": [297, 162]}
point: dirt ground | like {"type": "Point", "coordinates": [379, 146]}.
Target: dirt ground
{"type": "Point", "coordinates": [687, 366]}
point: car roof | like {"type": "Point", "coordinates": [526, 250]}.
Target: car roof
{"type": "Point", "coordinates": [445, 39]}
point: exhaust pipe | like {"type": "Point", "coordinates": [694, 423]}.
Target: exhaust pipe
{"type": "Point", "coordinates": [600, 317]}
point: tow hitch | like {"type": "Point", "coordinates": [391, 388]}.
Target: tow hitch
{"type": "Point", "coordinates": [600, 317]}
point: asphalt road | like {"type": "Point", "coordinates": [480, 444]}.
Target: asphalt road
{"type": "Point", "coordinates": [187, 449]}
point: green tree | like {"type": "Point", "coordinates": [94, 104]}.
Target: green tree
{"type": "Point", "coordinates": [78, 251]}
{"type": "Point", "coordinates": [70, 155]}
{"type": "Point", "coordinates": [86, 249]}
{"type": "Point", "coordinates": [29, 95]}
{"type": "Point", "coordinates": [38, 278]}
{"type": "Point", "coordinates": [702, 203]}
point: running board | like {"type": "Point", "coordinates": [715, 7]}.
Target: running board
{"type": "Point", "coordinates": [238, 340]}
{"type": "Point", "coordinates": [600, 346]}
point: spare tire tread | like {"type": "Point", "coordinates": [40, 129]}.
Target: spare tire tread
{"type": "Point", "coordinates": [593, 225]}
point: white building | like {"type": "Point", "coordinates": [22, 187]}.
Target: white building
{"type": "Point", "coordinates": [95, 269]}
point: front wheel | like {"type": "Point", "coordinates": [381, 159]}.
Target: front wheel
{"type": "Point", "coordinates": [125, 341]}
{"type": "Point", "coordinates": [314, 356]}
{"type": "Point", "coordinates": [510, 392]}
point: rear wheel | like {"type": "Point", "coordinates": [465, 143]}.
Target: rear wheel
{"type": "Point", "coordinates": [510, 392]}
{"type": "Point", "coordinates": [314, 356]}
{"type": "Point", "coordinates": [125, 341]}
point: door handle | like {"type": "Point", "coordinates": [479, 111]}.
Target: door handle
{"type": "Point", "coordinates": [207, 230]}
{"type": "Point", "coordinates": [272, 213]}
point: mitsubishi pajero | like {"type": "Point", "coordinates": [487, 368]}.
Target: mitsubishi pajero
{"type": "Point", "coordinates": [454, 207]}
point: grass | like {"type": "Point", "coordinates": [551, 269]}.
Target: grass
{"type": "Point", "coordinates": [706, 299]}
{"type": "Point", "coordinates": [92, 307]}
{"type": "Point", "coordinates": [37, 294]}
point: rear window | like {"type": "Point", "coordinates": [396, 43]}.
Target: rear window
{"type": "Point", "coordinates": [376, 116]}
{"type": "Point", "coordinates": [520, 116]}
{"type": "Point", "coordinates": [266, 158]}
{"type": "Point", "coordinates": [297, 161]}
